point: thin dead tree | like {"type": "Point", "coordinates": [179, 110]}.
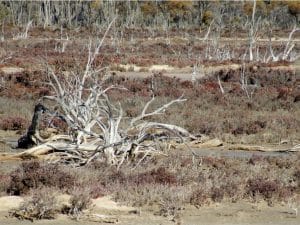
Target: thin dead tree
{"type": "Point", "coordinates": [289, 45]}
{"type": "Point", "coordinates": [23, 35]}
{"type": "Point", "coordinates": [62, 42]}
{"type": "Point", "coordinates": [248, 88]}
{"type": "Point", "coordinates": [253, 32]}
{"type": "Point", "coordinates": [288, 48]}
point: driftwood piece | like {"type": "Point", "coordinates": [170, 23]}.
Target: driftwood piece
{"type": "Point", "coordinates": [243, 147]}
{"type": "Point", "coordinates": [100, 218]}
{"type": "Point", "coordinates": [206, 144]}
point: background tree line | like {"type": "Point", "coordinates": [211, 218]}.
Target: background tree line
{"type": "Point", "coordinates": [154, 14]}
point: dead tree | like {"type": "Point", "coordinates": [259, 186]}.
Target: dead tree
{"type": "Point", "coordinates": [286, 53]}
{"type": "Point", "coordinates": [253, 32]}
{"type": "Point", "coordinates": [97, 127]}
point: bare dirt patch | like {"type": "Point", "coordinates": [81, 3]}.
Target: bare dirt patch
{"type": "Point", "coordinates": [11, 70]}
{"type": "Point", "coordinates": [241, 213]}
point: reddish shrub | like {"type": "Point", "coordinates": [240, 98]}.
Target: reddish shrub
{"type": "Point", "coordinates": [60, 124]}
{"type": "Point", "coordinates": [135, 86]}
{"type": "Point", "coordinates": [43, 92]}
{"type": "Point", "coordinates": [297, 178]}
{"type": "Point", "coordinates": [158, 176]}
{"type": "Point", "coordinates": [186, 84]}
{"type": "Point", "coordinates": [13, 123]}
{"type": "Point", "coordinates": [256, 159]}
{"type": "Point", "coordinates": [263, 187]}
{"type": "Point", "coordinates": [163, 176]}
{"type": "Point", "coordinates": [211, 86]}
{"type": "Point", "coordinates": [213, 162]}
{"type": "Point", "coordinates": [96, 190]}
{"type": "Point", "coordinates": [199, 197]}
{"type": "Point", "coordinates": [4, 182]}
{"type": "Point", "coordinates": [217, 194]}
{"type": "Point", "coordinates": [284, 92]}
{"type": "Point", "coordinates": [251, 127]}
{"type": "Point", "coordinates": [285, 193]}
{"type": "Point", "coordinates": [33, 175]}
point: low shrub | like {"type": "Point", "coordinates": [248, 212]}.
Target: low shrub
{"type": "Point", "coordinates": [262, 187]}
{"type": "Point", "coordinates": [297, 178]}
{"type": "Point", "coordinates": [217, 194]}
{"type": "Point", "coordinates": [42, 204]}
{"type": "Point", "coordinates": [13, 123]}
{"type": "Point", "coordinates": [156, 176]}
{"type": "Point", "coordinates": [199, 197]}
{"type": "Point", "coordinates": [4, 183]}
{"type": "Point", "coordinates": [79, 201]}
{"type": "Point", "coordinates": [33, 175]}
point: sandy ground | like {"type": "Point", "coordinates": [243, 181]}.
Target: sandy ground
{"type": "Point", "coordinates": [241, 213]}
{"type": "Point", "coordinates": [133, 71]}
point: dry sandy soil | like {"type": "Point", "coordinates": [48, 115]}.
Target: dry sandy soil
{"type": "Point", "coordinates": [225, 213]}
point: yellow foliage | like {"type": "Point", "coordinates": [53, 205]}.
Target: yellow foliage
{"type": "Point", "coordinates": [172, 7]}
{"type": "Point", "coordinates": [96, 4]}
{"type": "Point", "coordinates": [294, 7]}
{"type": "Point", "coordinates": [3, 12]}
{"type": "Point", "coordinates": [178, 7]}
{"type": "Point", "coordinates": [149, 8]}
{"type": "Point", "coordinates": [207, 16]}
{"type": "Point", "coordinates": [262, 6]}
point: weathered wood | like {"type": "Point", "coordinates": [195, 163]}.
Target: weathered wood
{"type": "Point", "coordinates": [32, 136]}
{"type": "Point", "coordinates": [94, 122]}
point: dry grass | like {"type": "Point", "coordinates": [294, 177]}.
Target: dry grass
{"type": "Point", "coordinates": [5, 181]}
{"type": "Point", "coordinates": [80, 201]}
{"type": "Point", "coordinates": [167, 184]}
{"type": "Point", "coordinates": [42, 204]}
{"type": "Point", "coordinates": [11, 107]}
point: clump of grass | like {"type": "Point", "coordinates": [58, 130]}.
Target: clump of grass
{"type": "Point", "coordinates": [5, 180]}
{"type": "Point", "coordinates": [10, 107]}
{"type": "Point", "coordinates": [80, 201]}
{"type": "Point", "coordinates": [172, 204]}
{"type": "Point", "coordinates": [199, 197]}
{"type": "Point", "coordinates": [42, 204]}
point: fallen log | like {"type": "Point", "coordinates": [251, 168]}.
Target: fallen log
{"type": "Point", "coordinates": [243, 147]}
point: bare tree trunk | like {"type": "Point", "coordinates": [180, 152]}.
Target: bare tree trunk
{"type": "Point", "coordinates": [252, 32]}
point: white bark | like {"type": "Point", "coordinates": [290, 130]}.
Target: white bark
{"type": "Point", "coordinates": [24, 35]}
{"type": "Point", "coordinates": [289, 45]}
{"type": "Point", "coordinates": [253, 32]}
